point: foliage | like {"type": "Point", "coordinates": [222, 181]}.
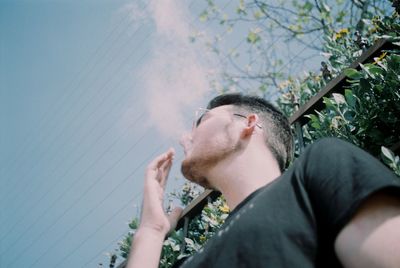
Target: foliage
{"type": "Point", "coordinates": [274, 31]}
{"type": "Point", "coordinates": [367, 113]}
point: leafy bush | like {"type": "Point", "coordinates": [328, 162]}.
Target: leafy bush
{"type": "Point", "coordinates": [367, 113]}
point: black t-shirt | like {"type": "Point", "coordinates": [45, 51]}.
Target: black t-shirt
{"type": "Point", "coordinates": [294, 220]}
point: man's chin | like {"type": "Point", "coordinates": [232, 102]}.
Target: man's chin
{"type": "Point", "coordinates": [191, 173]}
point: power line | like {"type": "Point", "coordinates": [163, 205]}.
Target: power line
{"type": "Point", "coordinates": [69, 254]}
{"type": "Point", "coordinates": [98, 205]}
{"type": "Point", "coordinates": [20, 193]}
{"type": "Point", "coordinates": [142, 57]}
{"type": "Point", "coordinates": [77, 161]}
{"type": "Point", "coordinates": [56, 182]}
{"type": "Point", "coordinates": [72, 205]}
{"type": "Point", "coordinates": [81, 196]}
{"type": "Point", "coordinates": [47, 121]}
{"type": "Point", "coordinates": [77, 179]}
{"type": "Point", "coordinates": [85, 265]}
{"type": "Point", "coordinates": [77, 145]}
{"type": "Point", "coordinates": [66, 95]}
{"type": "Point", "coordinates": [84, 107]}
{"type": "Point", "coordinates": [108, 245]}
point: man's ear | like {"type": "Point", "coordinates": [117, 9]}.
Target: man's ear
{"type": "Point", "coordinates": [251, 121]}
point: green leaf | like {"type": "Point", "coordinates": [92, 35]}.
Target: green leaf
{"type": "Point", "coordinates": [387, 154]}
{"type": "Point", "coordinates": [376, 70]}
{"type": "Point", "coordinates": [241, 9]}
{"type": "Point", "coordinates": [350, 98]}
{"type": "Point", "coordinates": [364, 85]}
{"type": "Point", "coordinates": [372, 70]}
{"type": "Point", "coordinates": [253, 37]}
{"type": "Point", "coordinates": [326, 8]}
{"type": "Point", "coordinates": [328, 102]}
{"type": "Point", "coordinates": [203, 16]}
{"type": "Point", "coordinates": [314, 121]}
{"type": "Point", "coordinates": [339, 99]}
{"type": "Point", "coordinates": [349, 115]}
{"type": "Point", "coordinates": [263, 88]}
{"type": "Point", "coordinates": [352, 73]}
{"type": "Point", "coordinates": [308, 6]}
{"type": "Point", "coordinates": [395, 58]}
{"type": "Point", "coordinates": [134, 224]}
{"type": "Point", "coordinates": [316, 125]}
{"type": "Point", "coordinates": [313, 117]}
{"type": "Point", "coordinates": [257, 15]}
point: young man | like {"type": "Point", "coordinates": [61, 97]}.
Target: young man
{"type": "Point", "coordinates": [336, 206]}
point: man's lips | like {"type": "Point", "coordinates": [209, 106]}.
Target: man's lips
{"type": "Point", "coordinates": [186, 143]}
{"type": "Point", "coordinates": [185, 150]}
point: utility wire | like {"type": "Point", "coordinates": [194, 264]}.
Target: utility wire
{"type": "Point", "coordinates": [98, 205]}
{"type": "Point", "coordinates": [32, 181]}
{"type": "Point", "coordinates": [82, 123]}
{"type": "Point", "coordinates": [40, 217]}
{"type": "Point", "coordinates": [33, 204]}
{"type": "Point", "coordinates": [55, 106]}
{"type": "Point", "coordinates": [78, 179]}
{"type": "Point", "coordinates": [20, 181]}
{"type": "Point", "coordinates": [136, 195]}
{"type": "Point", "coordinates": [85, 265]}
{"type": "Point", "coordinates": [53, 224]}
{"type": "Point", "coordinates": [44, 139]}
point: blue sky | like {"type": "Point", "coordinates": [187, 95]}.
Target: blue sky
{"type": "Point", "coordinates": [74, 137]}
{"type": "Point", "coordinates": [90, 92]}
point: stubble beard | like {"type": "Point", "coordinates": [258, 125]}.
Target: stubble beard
{"type": "Point", "coordinates": [194, 168]}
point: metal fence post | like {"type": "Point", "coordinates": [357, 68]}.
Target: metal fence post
{"type": "Point", "coordinates": [299, 134]}
{"type": "Point", "coordinates": [185, 232]}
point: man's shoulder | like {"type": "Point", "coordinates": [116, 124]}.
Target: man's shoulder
{"type": "Point", "coordinates": [332, 148]}
{"type": "Point", "coordinates": [331, 142]}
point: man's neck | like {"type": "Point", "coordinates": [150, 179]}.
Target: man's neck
{"type": "Point", "coordinates": [240, 175]}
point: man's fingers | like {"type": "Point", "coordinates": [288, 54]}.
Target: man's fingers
{"type": "Point", "coordinates": [159, 160]}
{"type": "Point", "coordinates": [165, 169]}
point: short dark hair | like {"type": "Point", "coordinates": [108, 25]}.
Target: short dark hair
{"type": "Point", "coordinates": [276, 125]}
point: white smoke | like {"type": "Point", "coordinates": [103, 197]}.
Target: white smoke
{"type": "Point", "coordinates": [176, 72]}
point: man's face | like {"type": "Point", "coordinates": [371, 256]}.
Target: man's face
{"type": "Point", "coordinates": [214, 139]}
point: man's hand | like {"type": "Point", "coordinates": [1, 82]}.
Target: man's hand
{"type": "Point", "coordinates": [155, 223]}
{"type": "Point", "coordinates": [153, 215]}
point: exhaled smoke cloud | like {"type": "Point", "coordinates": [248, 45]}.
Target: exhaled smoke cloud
{"type": "Point", "coordinates": [175, 76]}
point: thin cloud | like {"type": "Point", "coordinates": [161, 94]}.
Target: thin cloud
{"type": "Point", "coordinates": [177, 72]}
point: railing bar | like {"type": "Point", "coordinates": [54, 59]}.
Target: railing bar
{"type": "Point", "coordinates": [337, 83]}
{"type": "Point", "coordinates": [185, 232]}
{"type": "Point", "coordinates": [195, 207]}
{"type": "Point", "coordinates": [299, 134]}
